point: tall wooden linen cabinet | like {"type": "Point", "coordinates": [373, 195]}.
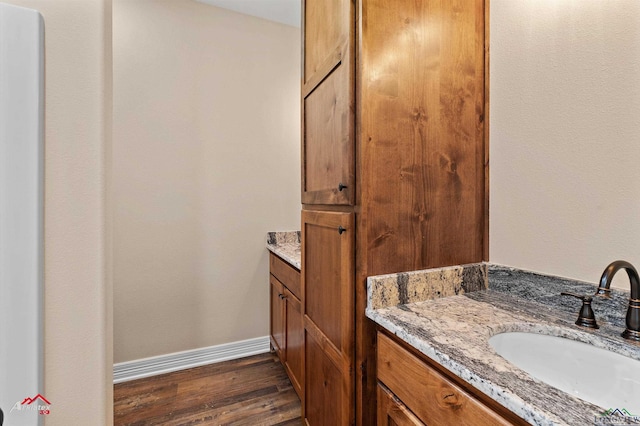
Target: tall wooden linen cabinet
{"type": "Point", "coordinates": [394, 169]}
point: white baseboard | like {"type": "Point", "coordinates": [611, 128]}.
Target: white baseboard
{"type": "Point", "coordinates": [147, 367]}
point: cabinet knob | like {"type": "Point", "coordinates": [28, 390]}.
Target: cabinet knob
{"type": "Point", "coordinates": [341, 229]}
{"type": "Point", "coordinates": [341, 186]}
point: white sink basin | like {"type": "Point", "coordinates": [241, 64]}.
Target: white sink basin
{"type": "Point", "coordinates": [596, 375]}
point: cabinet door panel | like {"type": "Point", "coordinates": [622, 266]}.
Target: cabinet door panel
{"type": "Point", "coordinates": [326, 27]}
{"type": "Point", "coordinates": [328, 142]}
{"type": "Point", "coordinates": [278, 335]}
{"type": "Point", "coordinates": [328, 275]}
{"type": "Point", "coordinates": [328, 92]}
{"type": "Point", "coordinates": [326, 402]}
{"type": "Point", "coordinates": [294, 352]}
{"type": "Point", "coordinates": [328, 309]}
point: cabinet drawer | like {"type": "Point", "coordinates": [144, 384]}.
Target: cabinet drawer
{"type": "Point", "coordinates": [392, 412]}
{"type": "Point", "coordinates": [286, 274]}
{"type": "Point", "coordinates": [427, 393]}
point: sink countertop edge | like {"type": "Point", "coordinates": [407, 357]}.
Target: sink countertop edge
{"type": "Point", "coordinates": [286, 245]}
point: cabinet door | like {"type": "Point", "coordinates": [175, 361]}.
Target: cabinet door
{"type": "Point", "coordinates": [277, 319]}
{"type": "Point", "coordinates": [294, 351]}
{"type": "Point", "coordinates": [391, 412]}
{"type": "Point", "coordinates": [328, 309]}
{"type": "Point", "coordinates": [328, 102]}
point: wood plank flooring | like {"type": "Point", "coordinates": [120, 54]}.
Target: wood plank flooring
{"type": "Point", "coordinates": [251, 391]}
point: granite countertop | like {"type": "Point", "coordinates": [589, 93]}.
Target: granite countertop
{"type": "Point", "coordinates": [449, 314]}
{"type": "Point", "coordinates": [285, 245]}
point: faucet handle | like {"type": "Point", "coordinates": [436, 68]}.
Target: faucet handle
{"type": "Point", "coordinates": [586, 317]}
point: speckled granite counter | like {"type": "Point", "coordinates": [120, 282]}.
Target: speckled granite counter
{"type": "Point", "coordinates": [286, 245]}
{"type": "Point", "coordinates": [453, 329]}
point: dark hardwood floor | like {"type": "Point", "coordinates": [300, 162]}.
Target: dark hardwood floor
{"type": "Point", "coordinates": [249, 391]}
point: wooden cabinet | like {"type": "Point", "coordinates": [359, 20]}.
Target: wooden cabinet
{"type": "Point", "coordinates": [411, 391]}
{"type": "Point", "coordinates": [328, 295]}
{"type": "Point", "coordinates": [294, 350]}
{"type": "Point", "coordinates": [328, 157]}
{"type": "Point", "coordinates": [278, 337]}
{"type": "Point", "coordinates": [287, 330]}
{"type": "Point", "coordinates": [396, 139]}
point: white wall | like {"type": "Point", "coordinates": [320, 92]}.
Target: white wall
{"type": "Point", "coordinates": [21, 209]}
{"type": "Point", "coordinates": [565, 135]}
{"type": "Point", "coordinates": [206, 162]}
{"type": "Point", "coordinates": [77, 305]}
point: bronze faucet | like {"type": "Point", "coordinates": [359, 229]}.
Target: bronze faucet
{"type": "Point", "coordinates": [632, 331]}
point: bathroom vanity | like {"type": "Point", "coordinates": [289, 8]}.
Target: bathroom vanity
{"type": "Point", "coordinates": [286, 327]}
{"type": "Point", "coordinates": [435, 363]}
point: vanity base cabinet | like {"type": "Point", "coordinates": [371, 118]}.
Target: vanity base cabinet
{"type": "Point", "coordinates": [419, 392]}
{"type": "Point", "coordinates": [286, 327]}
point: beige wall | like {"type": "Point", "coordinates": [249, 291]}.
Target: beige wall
{"type": "Point", "coordinates": [206, 162]}
{"type": "Point", "coordinates": [565, 135]}
{"type": "Point", "coordinates": [78, 355]}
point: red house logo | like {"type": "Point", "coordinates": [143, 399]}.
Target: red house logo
{"type": "Point", "coordinates": [38, 403]}
{"type": "Point", "coordinates": [30, 401]}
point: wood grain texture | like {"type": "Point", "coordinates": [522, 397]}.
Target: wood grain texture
{"type": "Point", "coordinates": [277, 317]}
{"type": "Point", "coordinates": [421, 153]}
{"type": "Point", "coordinates": [328, 88]}
{"type": "Point", "coordinates": [294, 350]}
{"type": "Point", "coordinates": [327, 278]}
{"type": "Point", "coordinates": [248, 391]}
{"type": "Point", "coordinates": [328, 310]}
{"type": "Point", "coordinates": [391, 411]}
{"type": "Point", "coordinates": [328, 141]}
{"type": "Point", "coordinates": [487, 124]}
{"type": "Point", "coordinates": [326, 26]}
{"type": "Point", "coordinates": [421, 133]}
{"type": "Point", "coordinates": [431, 396]}
{"type": "Point", "coordinates": [286, 324]}
{"type": "Point", "coordinates": [419, 145]}
{"type": "Point", "coordinates": [327, 397]}
{"type": "Point", "coordinates": [286, 274]}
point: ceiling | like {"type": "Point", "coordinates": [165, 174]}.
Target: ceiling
{"type": "Point", "coordinates": [283, 11]}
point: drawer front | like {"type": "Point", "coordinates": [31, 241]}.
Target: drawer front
{"type": "Point", "coordinates": [427, 393]}
{"type": "Point", "coordinates": [392, 412]}
{"type": "Point", "coordinates": [286, 274]}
